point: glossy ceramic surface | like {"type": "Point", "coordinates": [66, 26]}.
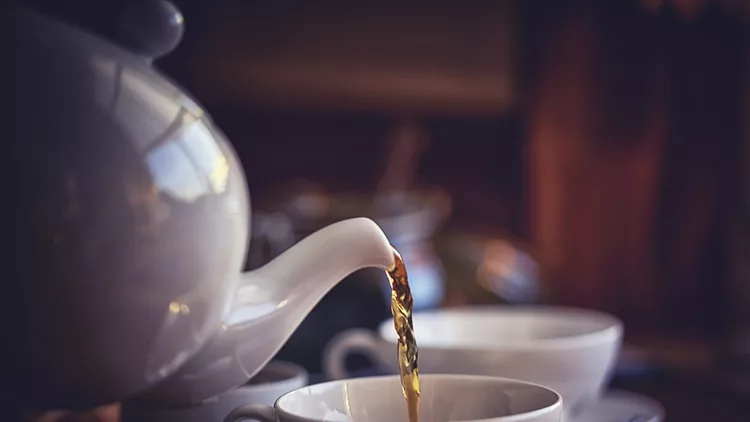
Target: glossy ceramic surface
{"type": "Point", "coordinates": [126, 219]}
{"type": "Point", "coordinates": [117, 175]}
{"type": "Point", "coordinates": [571, 351]}
{"type": "Point", "coordinates": [444, 398]}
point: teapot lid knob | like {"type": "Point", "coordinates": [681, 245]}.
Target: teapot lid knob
{"type": "Point", "coordinates": [151, 28]}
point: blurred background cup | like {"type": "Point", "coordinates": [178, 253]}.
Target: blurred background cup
{"type": "Point", "coordinates": [571, 351]}
{"type": "Point", "coordinates": [444, 398]}
{"type": "Point", "coordinates": [275, 380]}
{"type": "Point", "coordinates": [488, 269]}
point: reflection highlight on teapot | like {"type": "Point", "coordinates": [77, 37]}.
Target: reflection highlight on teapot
{"type": "Point", "coordinates": [183, 157]}
{"type": "Point", "coordinates": [190, 164]}
{"type": "Point", "coordinates": [179, 308]}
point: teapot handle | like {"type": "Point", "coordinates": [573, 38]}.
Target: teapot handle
{"type": "Point", "coordinates": [254, 412]}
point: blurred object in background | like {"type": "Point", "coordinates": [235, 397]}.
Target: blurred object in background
{"type": "Point", "coordinates": [402, 57]}
{"type": "Point", "coordinates": [634, 128]}
{"type": "Point", "coordinates": [407, 143]}
{"type": "Point", "coordinates": [482, 269]}
{"type": "Point", "coordinates": [362, 300]}
{"type": "Point", "coordinates": [736, 369]}
{"type": "Point", "coordinates": [109, 413]}
{"type": "Point", "coordinates": [312, 90]}
{"type": "Point", "coordinates": [692, 9]}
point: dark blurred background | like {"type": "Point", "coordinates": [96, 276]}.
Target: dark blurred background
{"type": "Point", "coordinates": [604, 142]}
{"type": "Point", "coordinates": [583, 153]}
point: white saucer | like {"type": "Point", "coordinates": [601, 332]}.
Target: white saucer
{"type": "Point", "coordinates": [621, 406]}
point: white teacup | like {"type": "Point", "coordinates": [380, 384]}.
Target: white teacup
{"type": "Point", "coordinates": [272, 382]}
{"type": "Point", "coordinates": [444, 398]}
{"type": "Point", "coordinates": [571, 351]}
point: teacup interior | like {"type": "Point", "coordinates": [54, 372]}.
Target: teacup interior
{"type": "Point", "coordinates": [444, 398]}
{"type": "Point", "coordinates": [493, 327]}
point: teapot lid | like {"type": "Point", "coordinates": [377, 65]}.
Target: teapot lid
{"type": "Point", "coordinates": [148, 28]}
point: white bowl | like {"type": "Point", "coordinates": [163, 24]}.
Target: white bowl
{"type": "Point", "coordinates": [571, 351]}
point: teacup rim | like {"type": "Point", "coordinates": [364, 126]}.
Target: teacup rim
{"type": "Point", "coordinates": [612, 331]}
{"type": "Point", "coordinates": [520, 417]}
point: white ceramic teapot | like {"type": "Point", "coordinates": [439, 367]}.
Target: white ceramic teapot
{"type": "Point", "coordinates": [126, 226]}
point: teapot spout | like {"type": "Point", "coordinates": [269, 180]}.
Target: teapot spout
{"type": "Point", "coordinates": [269, 305]}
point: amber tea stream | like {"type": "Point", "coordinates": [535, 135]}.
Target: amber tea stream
{"type": "Point", "coordinates": [402, 305]}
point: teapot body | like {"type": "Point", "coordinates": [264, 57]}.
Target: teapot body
{"type": "Point", "coordinates": [126, 219]}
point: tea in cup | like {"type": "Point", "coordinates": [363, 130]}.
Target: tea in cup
{"type": "Point", "coordinates": [445, 397]}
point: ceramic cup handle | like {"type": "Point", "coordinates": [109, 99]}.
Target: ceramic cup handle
{"type": "Point", "coordinates": [344, 344]}
{"type": "Point", "coordinates": [252, 412]}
